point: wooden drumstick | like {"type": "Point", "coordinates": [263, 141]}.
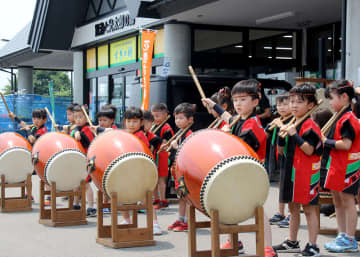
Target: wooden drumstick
{"type": "Point", "coordinates": [197, 83]}
{"type": "Point", "coordinates": [7, 107]}
{"type": "Point", "coordinates": [234, 121]}
{"type": "Point", "coordinates": [282, 119]}
{"type": "Point", "coordinates": [179, 136]}
{"type": "Point", "coordinates": [332, 120]}
{"type": "Point", "coordinates": [87, 118]}
{"type": "Point", "coordinates": [172, 138]}
{"type": "Point", "coordinates": [51, 118]}
{"type": "Point", "coordinates": [213, 123]}
{"type": "Point", "coordinates": [161, 124]}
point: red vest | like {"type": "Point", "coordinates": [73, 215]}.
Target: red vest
{"type": "Point", "coordinates": [306, 169]}
{"type": "Point", "coordinates": [141, 135]}
{"type": "Point", "coordinates": [343, 162]}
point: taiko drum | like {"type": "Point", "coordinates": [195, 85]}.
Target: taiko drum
{"type": "Point", "coordinates": [121, 163]}
{"type": "Point", "coordinates": [59, 158]}
{"type": "Point", "coordinates": [15, 157]}
{"type": "Point", "coordinates": [220, 171]}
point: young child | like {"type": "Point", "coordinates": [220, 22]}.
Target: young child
{"type": "Point", "coordinates": [38, 129]}
{"type": "Point", "coordinates": [83, 134]}
{"type": "Point", "coordinates": [153, 139]}
{"type": "Point", "coordinates": [223, 98]}
{"type": "Point", "coordinates": [301, 172]}
{"type": "Point", "coordinates": [184, 117]}
{"type": "Point", "coordinates": [106, 117]}
{"type": "Point", "coordinates": [70, 117]}
{"type": "Point", "coordinates": [133, 119]}
{"type": "Point", "coordinates": [160, 113]}
{"type": "Point", "coordinates": [274, 159]}
{"type": "Point", "coordinates": [245, 95]}
{"type": "Point", "coordinates": [341, 158]}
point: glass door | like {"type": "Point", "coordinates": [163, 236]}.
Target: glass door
{"type": "Point", "coordinates": [118, 96]}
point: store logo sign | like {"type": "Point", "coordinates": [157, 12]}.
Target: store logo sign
{"type": "Point", "coordinates": [114, 24]}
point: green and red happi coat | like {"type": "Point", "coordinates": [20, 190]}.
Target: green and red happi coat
{"type": "Point", "coordinates": [343, 166]}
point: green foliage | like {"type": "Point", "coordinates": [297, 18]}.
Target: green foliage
{"type": "Point", "coordinates": [41, 79]}
{"type": "Point", "coordinates": [7, 88]}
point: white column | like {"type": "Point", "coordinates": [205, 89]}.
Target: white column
{"type": "Point", "coordinates": [177, 41]}
{"type": "Point", "coordinates": [78, 87]}
{"type": "Point", "coordinates": [25, 80]}
{"type": "Point", "coordinates": [353, 41]}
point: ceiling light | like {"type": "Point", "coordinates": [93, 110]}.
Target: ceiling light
{"type": "Point", "coordinates": [250, 56]}
{"type": "Point", "coordinates": [270, 57]}
{"type": "Point", "coordinates": [329, 50]}
{"type": "Point", "coordinates": [276, 17]}
{"type": "Point", "coordinates": [284, 58]}
{"type": "Point", "coordinates": [283, 48]}
{"type": "Point", "coordinates": [288, 36]}
{"type": "Point", "coordinates": [239, 46]}
{"type": "Point", "coordinates": [267, 47]}
{"type": "Point", "coordinates": [329, 38]}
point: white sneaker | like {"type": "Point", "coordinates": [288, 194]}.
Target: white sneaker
{"type": "Point", "coordinates": [157, 230]}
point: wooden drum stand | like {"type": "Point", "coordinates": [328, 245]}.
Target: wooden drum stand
{"type": "Point", "coordinates": [217, 229]}
{"type": "Point", "coordinates": [60, 217]}
{"type": "Point", "coordinates": [129, 235]}
{"type": "Point", "coordinates": [16, 204]}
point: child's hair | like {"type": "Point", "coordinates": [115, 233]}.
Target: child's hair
{"type": "Point", "coordinates": [339, 87]}
{"type": "Point", "coordinates": [133, 113]}
{"type": "Point", "coordinates": [77, 108]}
{"type": "Point", "coordinates": [39, 113]}
{"type": "Point", "coordinates": [148, 116]}
{"type": "Point", "coordinates": [223, 97]}
{"type": "Point", "coordinates": [321, 116]}
{"type": "Point", "coordinates": [160, 107]}
{"type": "Point", "coordinates": [282, 97]}
{"type": "Point", "coordinates": [106, 112]}
{"type": "Point", "coordinates": [109, 106]}
{"type": "Point", "coordinates": [305, 92]}
{"type": "Point", "coordinates": [186, 108]}
{"type": "Point", "coordinates": [70, 107]}
{"type": "Point", "coordinates": [250, 87]}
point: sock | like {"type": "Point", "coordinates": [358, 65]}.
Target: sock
{"type": "Point", "coordinates": [182, 218]}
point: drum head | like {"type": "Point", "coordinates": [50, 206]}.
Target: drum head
{"type": "Point", "coordinates": [130, 176]}
{"type": "Point", "coordinates": [15, 164]}
{"type": "Point", "coordinates": [235, 187]}
{"type": "Point", "coordinates": [67, 169]}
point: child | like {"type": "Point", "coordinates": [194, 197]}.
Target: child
{"type": "Point", "coordinates": [301, 172]}
{"type": "Point", "coordinates": [274, 159]}
{"type": "Point", "coordinates": [83, 134]}
{"type": "Point", "coordinates": [341, 158]}
{"type": "Point", "coordinates": [106, 117]}
{"type": "Point", "coordinates": [223, 98]}
{"type": "Point", "coordinates": [38, 129]}
{"type": "Point", "coordinates": [184, 117]}
{"type": "Point", "coordinates": [133, 119]}
{"type": "Point", "coordinates": [70, 117]}
{"type": "Point", "coordinates": [153, 139]}
{"type": "Point", "coordinates": [245, 95]}
{"type": "Point", "coordinates": [160, 112]}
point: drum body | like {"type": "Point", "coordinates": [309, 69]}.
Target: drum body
{"type": "Point", "coordinates": [15, 157]}
{"type": "Point", "coordinates": [120, 162]}
{"type": "Point", "coordinates": [220, 171]}
{"type": "Point", "coordinates": [59, 158]}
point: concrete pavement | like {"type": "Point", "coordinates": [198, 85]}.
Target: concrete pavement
{"type": "Point", "coordinates": [22, 236]}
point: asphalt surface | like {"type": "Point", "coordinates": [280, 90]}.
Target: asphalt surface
{"type": "Point", "coordinates": [21, 235]}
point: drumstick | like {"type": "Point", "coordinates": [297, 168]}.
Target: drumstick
{"type": "Point", "coordinates": [218, 124]}
{"type": "Point", "coordinates": [213, 123]}
{"type": "Point", "coordinates": [87, 118]}
{"type": "Point", "coordinates": [179, 136]}
{"type": "Point", "coordinates": [282, 119]}
{"type": "Point", "coordinates": [172, 138]}
{"type": "Point", "coordinates": [235, 121]}
{"type": "Point", "coordinates": [51, 118]}
{"type": "Point", "coordinates": [162, 123]}
{"type": "Point", "coordinates": [197, 83]}
{"type": "Point", "coordinates": [7, 107]}
{"type": "Point", "coordinates": [332, 120]}
{"type": "Point", "coordinates": [298, 122]}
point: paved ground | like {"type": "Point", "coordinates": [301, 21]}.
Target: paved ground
{"type": "Point", "coordinates": [22, 236]}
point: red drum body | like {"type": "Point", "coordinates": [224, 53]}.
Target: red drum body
{"type": "Point", "coordinates": [120, 162]}
{"type": "Point", "coordinates": [59, 158]}
{"type": "Point", "coordinates": [220, 171]}
{"type": "Point", "coordinates": [15, 157]}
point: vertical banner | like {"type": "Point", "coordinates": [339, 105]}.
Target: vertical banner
{"type": "Point", "coordinates": [147, 47]}
{"type": "Point", "coordinates": [52, 101]}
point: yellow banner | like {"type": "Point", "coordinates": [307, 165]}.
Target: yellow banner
{"type": "Point", "coordinates": [91, 59]}
{"type": "Point", "coordinates": [123, 52]}
{"type": "Point", "coordinates": [159, 44]}
{"type": "Point", "coordinates": [102, 57]}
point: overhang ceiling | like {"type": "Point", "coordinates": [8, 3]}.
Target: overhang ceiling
{"type": "Point", "coordinates": [306, 13]}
